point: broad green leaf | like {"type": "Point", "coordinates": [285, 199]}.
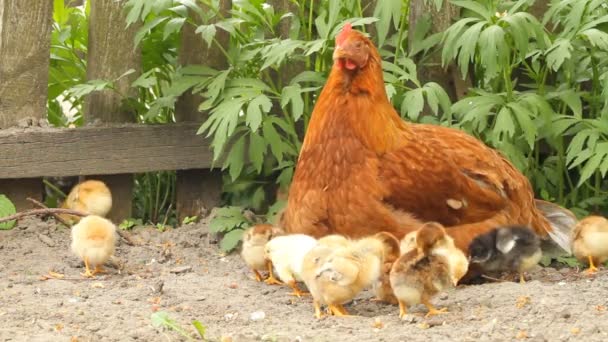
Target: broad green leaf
{"type": "Point", "coordinates": [207, 32]}
{"type": "Point", "coordinates": [573, 100]}
{"type": "Point", "coordinates": [231, 239]}
{"type": "Point", "coordinates": [7, 208]}
{"type": "Point", "coordinates": [475, 7]}
{"type": "Point", "coordinates": [236, 158]}
{"type": "Point", "coordinates": [259, 105]}
{"type": "Point", "coordinates": [504, 123]}
{"type": "Point", "coordinates": [412, 104]}
{"type": "Point", "coordinates": [591, 166]}
{"type": "Point", "coordinates": [293, 94]}
{"type": "Point", "coordinates": [558, 53]}
{"type": "Point", "coordinates": [173, 26]}
{"type": "Point", "coordinates": [524, 119]}
{"type": "Point", "coordinates": [257, 150]}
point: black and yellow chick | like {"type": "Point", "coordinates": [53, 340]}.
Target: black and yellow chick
{"type": "Point", "coordinates": [508, 248]}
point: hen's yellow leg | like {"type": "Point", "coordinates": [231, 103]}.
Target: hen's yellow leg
{"type": "Point", "coordinates": [87, 273]}
{"type": "Point", "coordinates": [592, 269]}
{"type": "Point", "coordinates": [271, 280]}
{"type": "Point", "coordinates": [296, 290]}
{"type": "Point", "coordinates": [402, 309]}
{"type": "Point", "coordinates": [432, 310]}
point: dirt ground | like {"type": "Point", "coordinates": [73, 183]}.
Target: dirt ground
{"type": "Point", "coordinates": [182, 273]}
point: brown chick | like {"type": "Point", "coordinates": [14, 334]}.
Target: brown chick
{"type": "Point", "coordinates": [347, 271]}
{"type": "Point", "coordinates": [382, 287]}
{"type": "Point", "coordinates": [314, 259]}
{"type": "Point", "coordinates": [91, 197]}
{"type": "Point", "coordinates": [254, 240]}
{"type": "Point", "coordinates": [421, 273]}
{"type": "Point", "coordinates": [590, 241]}
{"type": "Point", "coordinates": [93, 240]}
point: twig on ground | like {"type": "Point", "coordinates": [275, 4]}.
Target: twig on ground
{"type": "Point", "coordinates": [494, 279]}
{"type": "Point", "coordinates": [47, 211]}
{"type": "Point", "coordinates": [42, 206]}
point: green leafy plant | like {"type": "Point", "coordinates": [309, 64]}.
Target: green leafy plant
{"type": "Point", "coordinates": [189, 220]}
{"type": "Point", "coordinates": [162, 319]}
{"type": "Point", "coordinates": [129, 223]}
{"type": "Point", "coordinates": [7, 208]}
{"type": "Point", "coordinates": [231, 223]}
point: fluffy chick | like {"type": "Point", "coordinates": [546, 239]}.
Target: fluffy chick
{"type": "Point", "coordinates": [347, 271]}
{"type": "Point", "coordinates": [254, 240]}
{"type": "Point", "coordinates": [422, 272]}
{"type": "Point", "coordinates": [91, 197]}
{"type": "Point", "coordinates": [509, 248]}
{"type": "Point", "coordinates": [286, 253]}
{"type": "Point", "coordinates": [314, 259]}
{"type": "Point", "coordinates": [94, 241]}
{"type": "Point", "coordinates": [590, 241]}
{"type": "Point", "coordinates": [382, 287]}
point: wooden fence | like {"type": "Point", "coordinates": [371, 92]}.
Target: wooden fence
{"type": "Point", "coordinates": [109, 147]}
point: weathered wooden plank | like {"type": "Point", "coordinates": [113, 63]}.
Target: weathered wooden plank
{"type": "Point", "coordinates": [197, 191]}
{"type": "Point", "coordinates": [111, 53]}
{"type": "Point", "coordinates": [25, 40]}
{"type": "Point", "coordinates": [101, 150]}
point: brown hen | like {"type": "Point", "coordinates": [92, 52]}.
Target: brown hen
{"type": "Point", "coordinates": [363, 170]}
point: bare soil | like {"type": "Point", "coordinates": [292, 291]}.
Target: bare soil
{"type": "Point", "coordinates": [181, 272]}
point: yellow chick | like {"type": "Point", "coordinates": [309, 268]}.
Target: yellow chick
{"type": "Point", "coordinates": [590, 241]}
{"type": "Point", "coordinates": [347, 271]}
{"type": "Point", "coordinates": [91, 197]}
{"type": "Point", "coordinates": [93, 240]}
{"type": "Point", "coordinates": [315, 258]}
{"type": "Point", "coordinates": [382, 287]}
{"type": "Point", "coordinates": [254, 240]}
{"type": "Point", "coordinates": [424, 271]}
{"type": "Point", "coordinates": [408, 242]}
{"type": "Point", "coordinates": [286, 254]}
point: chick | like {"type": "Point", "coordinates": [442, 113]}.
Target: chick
{"type": "Point", "coordinates": [408, 242]}
{"type": "Point", "coordinates": [382, 287]}
{"type": "Point", "coordinates": [509, 248]}
{"type": "Point", "coordinates": [590, 242]}
{"type": "Point", "coordinates": [91, 197]}
{"type": "Point", "coordinates": [347, 271]}
{"type": "Point", "coordinates": [254, 240]}
{"type": "Point", "coordinates": [286, 253]}
{"type": "Point", "coordinates": [315, 258]}
{"type": "Point", "coordinates": [422, 272]}
{"type": "Point", "coordinates": [93, 240]}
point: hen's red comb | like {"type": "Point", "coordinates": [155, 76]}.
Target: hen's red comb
{"type": "Point", "coordinates": [341, 37]}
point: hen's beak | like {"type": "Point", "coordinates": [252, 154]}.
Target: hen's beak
{"type": "Point", "coordinates": [338, 52]}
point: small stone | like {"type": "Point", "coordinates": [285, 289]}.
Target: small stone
{"type": "Point", "coordinates": [181, 269]}
{"type": "Point", "coordinates": [46, 240]}
{"type": "Point", "coordinates": [443, 296]}
{"type": "Point", "coordinates": [257, 316]}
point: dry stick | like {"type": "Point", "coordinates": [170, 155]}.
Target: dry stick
{"type": "Point", "coordinates": [57, 217]}
{"type": "Point", "coordinates": [53, 211]}
{"type": "Point", "coordinates": [47, 211]}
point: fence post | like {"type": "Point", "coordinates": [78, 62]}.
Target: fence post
{"type": "Point", "coordinates": [110, 54]}
{"type": "Point", "coordinates": [25, 40]}
{"type": "Point", "coordinates": [198, 191]}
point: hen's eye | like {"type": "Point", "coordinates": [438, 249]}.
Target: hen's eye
{"type": "Point", "coordinates": [358, 45]}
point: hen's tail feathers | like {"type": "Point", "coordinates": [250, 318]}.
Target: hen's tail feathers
{"type": "Point", "coordinates": [562, 221]}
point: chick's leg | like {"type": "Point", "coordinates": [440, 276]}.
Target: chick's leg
{"type": "Point", "coordinates": [296, 290]}
{"type": "Point", "coordinates": [432, 310]}
{"type": "Point", "coordinates": [271, 280]}
{"type": "Point", "coordinates": [338, 310]}
{"type": "Point", "coordinates": [522, 279]}
{"type": "Point", "coordinates": [98, 269]}
{"type": "Point", "coordinates": [402, 309]}
{"type": "Point", "coordinates": [592, 269]}
{"type": "Point", "coordinates": [87, 273]}
{"type": "Point", "coordinates": [258, 276]}
{"type": "Point", "coordinates": [318, 313]}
